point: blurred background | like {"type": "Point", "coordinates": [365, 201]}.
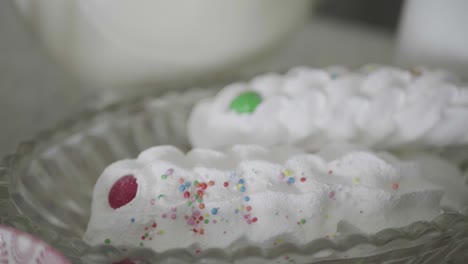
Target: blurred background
{"type": "Point", "coordinates": [58, 57]}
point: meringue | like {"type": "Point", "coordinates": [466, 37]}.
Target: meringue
{"type": "Point", "coordinates": [252, 195]}
{"type": "Point", "coordinates": [379, 107]}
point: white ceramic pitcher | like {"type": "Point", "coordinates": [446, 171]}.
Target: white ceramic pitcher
{"type": "Point", "coordinates": [122, 42]}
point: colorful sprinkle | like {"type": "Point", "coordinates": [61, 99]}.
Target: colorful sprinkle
{"type": "Point", "coordinates": [303, 179]}
{"type": "Point", "coordinates": [241, 181]}
{"type": "Point", "coordinates": [164, 176]}
{"type": "Point", "coordinates": [255, 219]}
{"type": "Point", "coordinates": [186, 194]}
{"type": "Point", "coordinates": [181, 180]}
{"type": "Point", "coordinates": [160, 196]}
{"type": "Point", "coordinates": [164, 215]}
{"type": "Point", "coordinates": [170, 171]}
{"type": "Point", "coordinates": [154, 225]}
{"type": "Point", "coordinates": [182, 188]}
{"type": "Point", "coordinates": [288, 172]}
{"type": "Point", "coordinates": [201, 206]}
{"type": "Point", "coordinates": [211, 183]}
{"type": "Point", "coordinates": [291, 180]}
{"type": "Point", "coordinates": [281, 176]}
{"type": "Point", "coordinates": [246, 198]}
{"type": "Point", "coordinates": [356, 180]}
{"type": "Point", "coordinates": [214, 211]}
{"type": "Point", "coordinates": [107, 241]}
{"type": "Point", "coordinates": [226, 184]}
{"type": "Point", "coordinates": [189, 203]}
{"type": "Point", "coordinates": [279, 240]}
{"type": "Point", "coordinates": [395, 186]}
{"type": "Point", "coordinates": [132, 220]}
{"type": "Point", "coordinates": [206, 221]}
{"type": "Point", "coordinates": [303, 221]}
{"type": "Point", "coordinates": [187, 184]}
{"type": "Point", "coordinates": [204, 186]}
{"type": "Point", "coordinates": [249, 208]}
{"type": "Point", "coordinates": [242, 189]}
{"type": "Point", "coordinates": [331, 194]}
{"type": "Point", "coordinates": [173, 216]}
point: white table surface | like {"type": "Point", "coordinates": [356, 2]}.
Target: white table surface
{"type": "Point", "coordinates": [35, 93]}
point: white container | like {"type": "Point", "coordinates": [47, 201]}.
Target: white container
{"type": "Point", "coordinates": [126, 42]}
{"type": "Point", "coordinates": [435, 33]}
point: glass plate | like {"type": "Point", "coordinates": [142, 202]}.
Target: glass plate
{"type": "Point", "coordinates": [46, 187]}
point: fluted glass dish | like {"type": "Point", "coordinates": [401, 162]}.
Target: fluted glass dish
{"type": "Point", "coordinates": [46, 188]}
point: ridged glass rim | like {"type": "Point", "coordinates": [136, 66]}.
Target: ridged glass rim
{"type": "Point", "coordinates": [448, 225]}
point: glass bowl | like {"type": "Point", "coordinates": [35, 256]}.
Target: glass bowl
{"type": "Point", "coordinates": [46, 187]}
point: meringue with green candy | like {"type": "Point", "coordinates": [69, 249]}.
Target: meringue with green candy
{"type": "Point", "coordinates": [379, 107]}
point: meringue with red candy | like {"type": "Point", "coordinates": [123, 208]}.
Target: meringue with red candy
{"type": "Point", "coordinates": [252, 195]}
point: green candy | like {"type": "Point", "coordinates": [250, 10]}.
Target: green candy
{"type": "Point", "coordinates": [246, 102]}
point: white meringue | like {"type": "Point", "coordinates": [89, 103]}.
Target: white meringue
{"type": "Point", "coordinates": [381, 107]}
{"type": "Point", "coordinates": [254, 195]}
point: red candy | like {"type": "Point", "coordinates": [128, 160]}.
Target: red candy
{"type": "Point", "coordinates": [186, 195]}
{"type": "Point", "coordinates": [204, 186]}
{"type": "Point", "coordinates": [123, 191]}
{"type": "Point", "coordinates": [226, 184]}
